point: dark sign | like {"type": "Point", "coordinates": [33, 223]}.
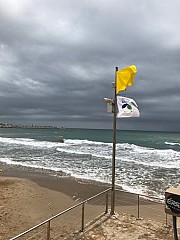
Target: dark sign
{"type": "Point", "coordinates": [173, 203]}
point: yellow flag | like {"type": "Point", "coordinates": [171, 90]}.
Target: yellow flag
{"type": "Point", "coordinates": [125, 78]}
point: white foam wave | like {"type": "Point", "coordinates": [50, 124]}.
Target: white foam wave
{"type": "Point", "coordinates": [85, 141]}
{"type": "Point", "coordinates": [143, 191]}
{"type": "Point", "coordinates": [172, 143]}
{"type": "Point", "coordinates": [85, 152]}
{"type": "Point", "coordinates": [134, 189]}
{"type": "Point", "coordinates": [166, 158]}
{"type": "Point", "coordinates": [159, 164]}
{"type": "Point", "coordinates": [72, 151]}
{"type": "Point", "coordinates": [140, 149]}
{"type": "Point", "coordinates": [29, 142]}
{"type": "Point", "coordinates": [23, 164]}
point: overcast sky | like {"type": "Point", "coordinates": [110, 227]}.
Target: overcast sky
{"type": "Point", "coordinates": [58, 59]}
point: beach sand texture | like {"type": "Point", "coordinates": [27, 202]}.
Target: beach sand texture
{"type": "Point", "coordinates": [26, 199]}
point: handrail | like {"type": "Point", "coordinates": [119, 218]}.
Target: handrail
{"type": "Point", "coordinates": [59, 214]}
{"type": "Point", "coordinates": [83, 203]}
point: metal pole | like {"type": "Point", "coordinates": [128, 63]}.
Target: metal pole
{"type": "Point", "coordinates": [175, 228]}
{"type": "Point", "coordinates": [166, 226]}
{"type": "Point", "coordinates": [114, 149]}
{"type": "Point", "coordinates": [48, 230]}
{"type": "Point", "coordinates": [82, 224]}
{"type": "Point", "coordinates": [106, 211]}
{"type": "Point", "coordinates": [138, 207]}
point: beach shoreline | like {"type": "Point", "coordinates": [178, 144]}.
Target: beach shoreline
{"type": "Point", "coordinates": [60, 182]}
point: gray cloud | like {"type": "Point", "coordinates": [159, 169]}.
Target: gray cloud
{"type": "Point", "coordinates": [57, 61]}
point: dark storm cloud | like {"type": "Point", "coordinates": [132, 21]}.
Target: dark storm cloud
{"type": "Point", "coordinates": [57, 61]}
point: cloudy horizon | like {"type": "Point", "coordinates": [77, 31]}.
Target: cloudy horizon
{"type": "Point", "coordinates": [58, 59]}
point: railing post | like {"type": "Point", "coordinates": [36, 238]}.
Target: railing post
{"type": "Point", "coordinates": [82, 223]}
{"type": "Point", "coordinates": [48, 230]}
{"type": "Point", "coordinates": [138, 209]}
{"type": "Point", "coordinates": [175, 227]}
{"type": "Point", "coordinates": [106, 211]}
{"type": "Point", "coordinates": [166, 225]}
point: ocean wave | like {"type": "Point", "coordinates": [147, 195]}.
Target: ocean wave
{"type": "Point", "coordinates": [173, 143]}
{"type": "Point", "coordinates": [87, 144]}
{"type": "Point", "coordinates": [102, 153]}
{"type": "Point", "coordinates": [84, 141]}
{"type": "Point", "coordinates": [165, 158]}
{"type": "Point", "coordinates": [23, 164]}
{"type": "Point", "coordinates": [29, 142]}
{"type": "Point", "coordinates": [157, 164]}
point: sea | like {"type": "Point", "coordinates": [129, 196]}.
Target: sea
{"type": "Point", "coordinates": [146, 162]}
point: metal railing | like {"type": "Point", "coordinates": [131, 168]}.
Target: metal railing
{"type": "Point", "coordinates": [142, 206]}
{"type": "Point", "coordinates": [137, 204]}
{"type": "Point", "coordinates": [49, 220]}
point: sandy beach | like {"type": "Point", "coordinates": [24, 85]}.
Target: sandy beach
{"type": "Point", "coordinates": [29, 197]}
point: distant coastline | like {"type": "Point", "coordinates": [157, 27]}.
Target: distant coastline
{"type": "Point", "coordinates": [8, 125]}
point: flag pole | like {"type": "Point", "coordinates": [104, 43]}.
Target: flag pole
{"type": "Point", "coordinates": [114, 148]}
